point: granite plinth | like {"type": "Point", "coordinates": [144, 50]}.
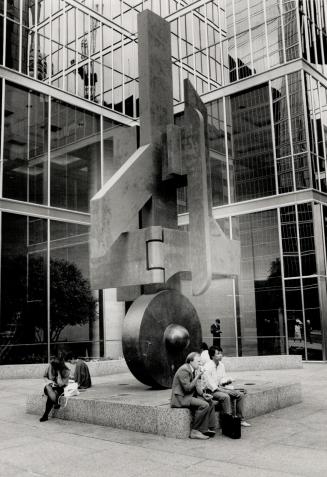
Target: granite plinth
{"type": "Point", "coordinates": [124, 403]}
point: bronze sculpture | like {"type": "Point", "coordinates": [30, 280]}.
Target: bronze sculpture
{"type": "Point", "coordinates": [162, 325]}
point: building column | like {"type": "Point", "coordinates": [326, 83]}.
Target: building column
{"type": "Point", "coordinates": [319, 238]}
{"type": "Point", "coordinates": [113, 317]}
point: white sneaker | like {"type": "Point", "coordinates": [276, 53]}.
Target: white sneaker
{"type": "Point", "coordinates": [197, 435]}
{"type": "Point", "coordinates": [245, 424]}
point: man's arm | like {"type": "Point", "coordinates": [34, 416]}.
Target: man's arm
{"type": "Point", "coordinates": [187, 383]}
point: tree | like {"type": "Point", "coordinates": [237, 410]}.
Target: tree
{"type": "Point", "coordinates": [71, 299]}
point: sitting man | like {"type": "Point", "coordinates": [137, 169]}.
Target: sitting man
{"type": "Point", "coordinates": [186, 393]}
{"type": "Point", "coordinates": [216, 380]}
{"type": "Point", "coordinates": [81, 373]}
{"type": "Point", "coordinates": [204, 354]}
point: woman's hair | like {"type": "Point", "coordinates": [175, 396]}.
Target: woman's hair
{"type": "Point", "coordinates": [58, 365]}
{"type": "Point", "coordinates": [204, 346]}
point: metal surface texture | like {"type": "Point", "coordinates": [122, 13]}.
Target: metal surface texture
{"type": "Point", "coordinates": [158, 333]}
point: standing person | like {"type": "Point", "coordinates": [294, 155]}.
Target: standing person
{"type": "Point", "coordinates": [185, 393]}
{"type": "Point", "coordinates": [297, 330]}
{"type": "Point", "coordinates": [215, 380]}
{"type": "Point", "coordinates": [215, 330]}
{"type": "Point", "coordinates": [57, 377]}
{"type": "Point", "coordinates": [308, 329]}
{"type": "Point", "coordinates": [81, 373]}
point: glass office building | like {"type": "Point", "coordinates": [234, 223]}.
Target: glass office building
{"type": "Point", "coordinates": [69, 119]}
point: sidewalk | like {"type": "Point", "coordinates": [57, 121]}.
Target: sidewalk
{"type": "Point", "coordinates": [288, 442]}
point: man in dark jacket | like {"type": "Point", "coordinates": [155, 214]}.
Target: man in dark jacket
{"type": "Point", "coordinates": [215, 330]}
{"type": "Point", "coordinates": [186, 392]}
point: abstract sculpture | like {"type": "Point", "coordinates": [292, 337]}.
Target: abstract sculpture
{"type": "Point", "coordinates": [162, 326]}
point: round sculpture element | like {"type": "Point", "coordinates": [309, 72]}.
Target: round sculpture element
{"type": "Point", "coordinates": [158, 333]}
{"type": "Point", "coordinates": [176, 337]}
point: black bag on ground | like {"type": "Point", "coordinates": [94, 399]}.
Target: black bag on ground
{"type": "Point", "coordinates": [231, 426]}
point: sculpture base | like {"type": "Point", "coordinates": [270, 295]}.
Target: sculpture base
{"type": "Point", "coordinates": [124, 403]}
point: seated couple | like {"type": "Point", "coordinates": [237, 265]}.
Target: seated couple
{"type": "Point", "coordinates": [200, 389]}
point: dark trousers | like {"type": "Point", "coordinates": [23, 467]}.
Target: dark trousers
{"type": "Point", "coordinates": [216, 341]}
{"type": "Point", "coordinates": [204, 414]}
{"type": "Point", "coordinates": [52, 401]}
{"type": "Point", "coordinates": [231, 401]}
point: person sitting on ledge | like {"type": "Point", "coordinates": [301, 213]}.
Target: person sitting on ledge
{"type": "Point", "coordinates": [216, 382]}
{"type": "Point", "coordinates": [186, 393]}
{"type": "Point", "coordinates": [204, 353]}
{"type": "Point", "coordinates": [81, 373]}
{"type": "Point", "coordinates": [57, 377]}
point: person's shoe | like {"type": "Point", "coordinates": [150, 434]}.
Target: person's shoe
{"type": "Point", "coordinates": [245, 424]}
{"type": "Point", "coordinates": [197, 435]}
{"type": "Point", "coordinates": [43, 418]}
{"type": "Point", "coordinates": [210, 433]}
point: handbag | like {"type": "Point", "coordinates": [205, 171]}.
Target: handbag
{"type": "Point", "coordinates": [230, 426]}
{"type": "Point", "coordinates": [71, 389]}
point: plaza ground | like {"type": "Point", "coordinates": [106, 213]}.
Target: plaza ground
{"type": "Point", "coordinates": [287, 442]}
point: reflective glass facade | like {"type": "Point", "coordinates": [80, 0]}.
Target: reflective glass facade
{"type": "Point", "coordinates": [69, 119]}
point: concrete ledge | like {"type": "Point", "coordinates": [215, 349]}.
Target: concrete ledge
{"type": "Point", "coordinates": [156, 416]}
{"type": "Point", "coordinates": [30, 371]}
{"type": "Point", "coordinates": [258, 363]}
{"type": "Point", "coordinates": [117, 366]}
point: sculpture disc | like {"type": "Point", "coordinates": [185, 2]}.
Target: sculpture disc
{"type": "Point", "coordinates": [158, 333]}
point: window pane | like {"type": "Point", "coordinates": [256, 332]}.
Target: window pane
{"type": "Point", "coordinates": [75, 156]}
{"type": "Point", "coordinates": [25, 145]}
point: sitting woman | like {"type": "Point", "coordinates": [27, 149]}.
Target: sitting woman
{"type": "Point", "coordinates": [81, 373]}
{"type": "Point", "coordinates": [58, 375]}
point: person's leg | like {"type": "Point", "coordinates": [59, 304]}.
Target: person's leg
{"type": "Point", "coordinates": [48, 407]}
{"type": "Point", "coordinates": [224, 401]}
{"type": "Point", "coordinates": [239, 400]}
{"type": "Point", "coordinates": [212, 419]}
{"type": "Point", "coordinates": [200, 407]}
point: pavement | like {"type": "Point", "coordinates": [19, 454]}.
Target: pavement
{"type": "Point", "coordinates": [288, 442]}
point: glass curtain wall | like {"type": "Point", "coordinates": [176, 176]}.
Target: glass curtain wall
{"type": "Point", "coordinates": [91, 50]}
{"type": "Point", "coordinates": [316, 95]}
{"type": "Point", "coordinates": [300, 281]}
{"type": "Point", "coordinates": [71, 135]}
{"type": "Point", "coordinates": [313, 22]}
{"type": "Point", "coordinates": [93, 53]}
{"type": "Point", "coordinates": [42, 274]}
{"type": "Point", "coordinates": [261, 34]}
{"type": "Point", "coordinates": [261, 307]}
{"type": "Point", "coordinates": [274, 307]}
